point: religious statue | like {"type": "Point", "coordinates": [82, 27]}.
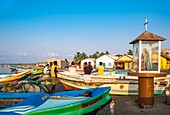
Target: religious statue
{"type": "Point", "coordinates": [146, 64]}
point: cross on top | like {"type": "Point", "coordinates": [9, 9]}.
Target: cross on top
{"type": "Point", "coordinates": [146, 25]}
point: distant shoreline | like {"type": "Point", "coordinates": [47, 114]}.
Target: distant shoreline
{"type": "Point", "coordinates": [17, 63]}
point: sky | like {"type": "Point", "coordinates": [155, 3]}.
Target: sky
{"type": "Point", "coordinates": [34, 30]}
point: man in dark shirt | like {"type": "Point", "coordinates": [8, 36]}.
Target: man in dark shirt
{"type": "Point", "coordinates": [87, 69]}
{"type": "Point", "coordinates": [90, 66]}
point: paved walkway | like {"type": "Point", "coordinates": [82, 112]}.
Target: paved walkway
{"type": "Point", "coordinates": [126, 105]}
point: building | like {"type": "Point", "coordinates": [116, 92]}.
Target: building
{"type": "Point", "coordinates": [62, 62]}
{"type": "Point", "coordinates": [165, 51]}
{"type": "Point", "coordinates": [92, 60]}
{"type": "Point", "coordinates": [124, 62]}
{"type": "Point", "coordinates": [107, 60]}
{"type": "Point", "coordinates": [165, 62]}
{"type": "Point", "coordinates": [40, 65]}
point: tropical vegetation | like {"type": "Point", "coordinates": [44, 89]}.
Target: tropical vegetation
{"type": "Point", "coordinates": [80, 56]}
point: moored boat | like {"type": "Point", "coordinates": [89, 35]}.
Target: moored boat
{"type": "Point", "coordinates": [36, 72]}
{"type": "Point", "coordinates": [119, 85]}
{"type": "Point", "coordinates": [4, 79]}
{"type": "Point", "coordinates": [77, 102]}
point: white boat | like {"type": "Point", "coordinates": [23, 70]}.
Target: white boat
{"type": "Point", "coordinates": [120, 84]}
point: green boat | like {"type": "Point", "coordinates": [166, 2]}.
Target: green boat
{"type": "Point", "coordinates": [75, 102]}
{"type": "Point", "coordinates": [36, 72]}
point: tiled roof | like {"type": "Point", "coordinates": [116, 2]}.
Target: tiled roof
{"type": "Point", "coordinates": [147, 36]}
{"type": "Point", "coordinates": [165, 56]}
{"type": "Point", "coordinates": [130, 56]}
{"type": "Point", "coordinates": [123, 61]}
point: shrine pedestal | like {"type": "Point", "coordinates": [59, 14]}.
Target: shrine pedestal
{"type": "Point", "coordinates": [146, 88]}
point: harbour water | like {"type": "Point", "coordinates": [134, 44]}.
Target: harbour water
{"type": "Point", "coordinates": [4, 69]}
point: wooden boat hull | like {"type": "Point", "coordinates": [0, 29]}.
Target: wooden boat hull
{"type": "Point", "coordinates": [14, 77]}
{"type": "Point", "coordinates": [118, 87]}
{"type": "Point", "coordinates": [65, 103]}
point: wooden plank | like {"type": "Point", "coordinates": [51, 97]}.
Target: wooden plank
{"type": "Point", "coordinates": [12, 99]}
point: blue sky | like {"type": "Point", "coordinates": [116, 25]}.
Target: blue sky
{"type": "Point", "coordinates": [33, 30]}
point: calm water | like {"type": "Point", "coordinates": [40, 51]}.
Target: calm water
{"type": "Point", "coordinates": [4, 69]}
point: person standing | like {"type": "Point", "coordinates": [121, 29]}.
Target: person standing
{"type": "Point", "coordinates": [90, 66]}
{"type": "Point", "coordinates": [46, 69]}
{"type": "Point", "coordinates": [54, 76]}
{"type": "Point", "coordinates": [72, 68]}
{"type": "Point", "coordinates": [86, 68]}
{"type": "Point", "coordinates": [100, 69]}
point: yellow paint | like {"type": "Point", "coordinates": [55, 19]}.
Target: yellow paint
{"type": "Point", "coordinates": [165, 63]}
{"type": "Point", "coordinates": [125, 57]}
{"type": "Point", "coordinates": [168, 65]}
{"type": "Point", "coordinates": [127, 65]}
{"type": "Point", "coordinates": [154, 58]}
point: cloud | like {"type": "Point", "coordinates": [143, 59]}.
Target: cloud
{"type": "Point", "coordinates": [22, 54]}
{"type": "Point", "coordinates": [49, 54]}
{"type": "Point", "coordinates": [52, 54]}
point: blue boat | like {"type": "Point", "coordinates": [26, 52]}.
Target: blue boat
{"type": "Point", "coordinates": [78, 102]}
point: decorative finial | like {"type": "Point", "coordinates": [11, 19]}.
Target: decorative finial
{"type": "Point", "coordinates": [146, 25]}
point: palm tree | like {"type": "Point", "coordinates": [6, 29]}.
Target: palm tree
{"type": "Point", "coordinates": [130, 52]}
{"type": "Point", "coordinates": [93, 55]}
{"type": "Point", "coordinates": [102, 53]}
{"type": "Point", "coordinates": [79, 56]}
{"type": "Point", "coordinates": [107, 53]}
{"type": "Point", "coordinates": [90, 56]}
{"type": "Point", "coordinates": [97, 54]}
{"type": "Point", "coordinates": [76, 57]}
{"type": "Point", "coordinates": [83, 56]}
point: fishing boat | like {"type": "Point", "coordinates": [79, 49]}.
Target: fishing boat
{"type": "Point", "coordinates": [4, 79]}
{"type": "Point", "coordinates": [119, 84]}
{"type": "Point", "coordinates": [76, 102]}
{"type": "Point", "coordinates": [36, 72]}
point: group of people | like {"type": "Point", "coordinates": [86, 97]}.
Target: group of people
{"type": "Point", "coordinates": [53, 71]}
{"type": "Point", "coordinates": [88, 68]}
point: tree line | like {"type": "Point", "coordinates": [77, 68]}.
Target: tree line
{"type": "Point", "coordinates": [81, 56]}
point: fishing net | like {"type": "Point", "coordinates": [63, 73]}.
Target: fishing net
{"type": "Point", "coordinates": [25, 86]}
{"type": "Point", "coordinates": [34, 83]}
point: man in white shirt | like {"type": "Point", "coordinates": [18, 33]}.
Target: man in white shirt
{"type": "Point", "coordinates": [46, 69]}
